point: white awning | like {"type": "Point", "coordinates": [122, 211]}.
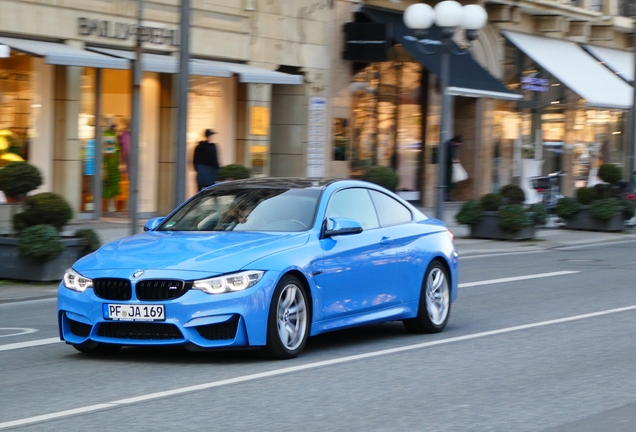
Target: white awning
{"type": "Point", "coordinates": [5, 51]}
{"type": "Point", "coordinates": [252, 74]}
{"type": "Point", "coordinates": [64, 55]}
{"type": "Point", "coordinates": [165, 63]}
{"type": "Point", "coordinates": [618, 61]}
{"type": "Point", "coordinates": [576, 69]}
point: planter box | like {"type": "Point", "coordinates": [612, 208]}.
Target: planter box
{"type": "Point", "coordinates": [6, 215]}
{"type": "Point", "coordinates": [584, 221]}
{"type": "Point", "coordinates": [14, 267]}
{"type": "Point", "coordinates": [488, 228]}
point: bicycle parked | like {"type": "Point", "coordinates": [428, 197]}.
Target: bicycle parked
{"type": "Point", "coordinates": [548, 188]}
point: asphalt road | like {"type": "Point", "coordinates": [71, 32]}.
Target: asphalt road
{"type": "Point", "coordinates": [546, 343]}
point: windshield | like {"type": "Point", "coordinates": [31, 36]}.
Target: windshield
{"type": "Point", "coordinates": [246, 209]}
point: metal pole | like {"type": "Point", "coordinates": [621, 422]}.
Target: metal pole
{"type": "Point", "coordinates": [631, 148]}
{"type": "Point", "coordinates": [133, 168]}
{"type": "Point", "coordinates": [182, 102]}
{"type": "Point", "coordinates": [98, 185]}
{"type": "Point", "coordinates": [444, 134]}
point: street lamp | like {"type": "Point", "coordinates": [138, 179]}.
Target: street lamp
{"type": "Point", "coordinates": [448, 15]}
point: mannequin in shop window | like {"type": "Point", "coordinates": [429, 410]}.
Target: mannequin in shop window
{"type": "Point", "coordinates": [111, 168]}
{"type": "Point", "coordinates": [206, 161]}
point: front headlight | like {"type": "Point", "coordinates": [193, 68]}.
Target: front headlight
{"type": "Point", "coordinates": [75, 281]}
{"type": "Point", "coordinates": [228, 283]}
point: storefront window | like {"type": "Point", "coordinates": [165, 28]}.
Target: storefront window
{"type": "Point", "coordinates": [86, 135]}
{"type": "Point", "coordinates": [387, 120]}
{"type": "Point", "coordinates": [16, 105]}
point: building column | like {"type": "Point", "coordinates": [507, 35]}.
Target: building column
{"type": "Point", "coordinates": [41, 144]}
{"type": "Point", "coordinates": [67, 153]}
{"type": "Point", "coordinates": [167, 146]}
{"type": "Point", "coordinates": [567, 182]}
{"type": "Point", "coordinates": [289, 134]}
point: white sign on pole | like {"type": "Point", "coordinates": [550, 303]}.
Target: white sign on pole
{"type": "Point", "coordinates": [5, 51]}
{"type": "Point", "coordinates": [316, 141]}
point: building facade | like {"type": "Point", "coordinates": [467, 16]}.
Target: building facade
{"type": "Point", "coordinates": [258, 77]}
{"type": "Point", "coordinates": [569, 68]}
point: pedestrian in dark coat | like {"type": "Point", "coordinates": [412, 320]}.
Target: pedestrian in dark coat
{"type": "Point", "coordinates": [206, 161]}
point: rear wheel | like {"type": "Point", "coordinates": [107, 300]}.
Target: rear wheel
{"type": "Point", "coordinates": [434, 307]}
{"type": "Point", "coordinates": [288, 321]}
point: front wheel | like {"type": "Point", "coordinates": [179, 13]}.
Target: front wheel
{"type": "Point", "coordinates": [434, 307]}
{"type": "Point", "coordinates": [288, 321]}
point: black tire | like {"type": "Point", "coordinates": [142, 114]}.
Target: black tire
{"type": "Point", "coordinates": [96, 348]}
{"type": "Point", "coordinates": [426, 322]}
{"type": "Point", "coordinates": [289, 318]}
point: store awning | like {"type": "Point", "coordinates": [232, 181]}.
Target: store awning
{"type": "Point", "coordinates": [5, 51]}
{"type": "Point", "coordinates": [576, 69]}
{"type": "Point", "coordinates": [252, 74]}
{"type": "Point", "coordinates": [161, 63]}
{"type": "Point", "coordinates": [64, 55]}
{"type": "Point", "coordinates": [618, 61]}
{"type": "Point", "coordinates": [170, 64]}
{"type": "Point", "coordinates": [467, 77]}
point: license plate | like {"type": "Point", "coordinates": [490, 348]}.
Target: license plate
{"type": "Point", "coordinates": [127, 312]}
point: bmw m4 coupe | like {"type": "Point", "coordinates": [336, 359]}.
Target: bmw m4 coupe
{"type": "Point", "coordinates": [264, 263]}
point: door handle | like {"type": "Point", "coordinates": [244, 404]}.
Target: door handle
{"type": "Point", "coordinates": [385, 240]}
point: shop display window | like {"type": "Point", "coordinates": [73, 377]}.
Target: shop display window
{"type": "Point", "coordinates": [386, 124]}
{"type": "Point", "coordinates": [16, 108]}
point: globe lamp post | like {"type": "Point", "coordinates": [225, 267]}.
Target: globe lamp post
{"type": "Point", "coordinates": [449, 16]}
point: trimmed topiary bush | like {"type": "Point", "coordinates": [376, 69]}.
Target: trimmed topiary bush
{"type": "Point", "coordinates": [490, 202]}
{"type": "Point", "coordinates": [567, 208]}
{"type": "Point", "coordinates": [513, 218]}
{"type": "Point", "coordinates": [90, 238]}
{"type": "Point", "coordinates": [44, 208]}
{"type": "Point", "coordinates": [383, 176]}
{"type": "Point", "coordinates": [602, 191]}
{"type": "Point", "coordinates": [512, 194]}
{"type": "Point", "coordinates": [610, 173]}
{"type": "Point", "coordinates": [19, 178]}
{"type": "Point", "coordinates": [39, 243]}
{"type": "Point", "coordinates": [469, 213]}
{"type": "Point", "coordinates": [605, 209]}
{"type": "Point", "coordinates": [233, 172]}
{"type": "Point", "coordinates": [538, 214]}
{"type": "Point", "coordinates": [585, 195]}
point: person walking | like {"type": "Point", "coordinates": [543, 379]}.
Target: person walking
{"type": "Point", "coordinates": [452, 146]}
{"type": "Point", "coordinates": [206, 161]}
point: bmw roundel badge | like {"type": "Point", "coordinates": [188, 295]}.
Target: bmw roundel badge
{"type": "Point", "coordinates": [137, 274]}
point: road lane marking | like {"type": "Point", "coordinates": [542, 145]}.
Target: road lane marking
{"type": "Point", "coordinates": [28, 344]}
{"type": "Point", "coordinates": [516, 278]}
{"type": "Point", "coordinates": [304, 367]}
{"type": "Point", "coordinates": [497, 254]}
{"type": "Point", "coordinates": [20, 331]}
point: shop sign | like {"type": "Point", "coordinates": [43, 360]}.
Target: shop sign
{"type": "Point", "coordinates": [316, 144]}
{"type": "Point", "coordinates": [123, 31]}
{"type": "Point", "coordinates": [367, 42]}
{"type": "Point", "coordinates": [534, 84]}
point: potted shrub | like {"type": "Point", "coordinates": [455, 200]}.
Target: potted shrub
{"type": "Point", "coordinates": [37, 251]}
{"type": "Point", "coordinates": [233, 172]}
{"type": "Point", "coordinates": [598, 208]}
{"type": "Point", "coordinates": [500, 216]}
{"type": "Point", "coordinates": [19, 178]}
{"type": "Point", "coordinates": [383, 176]}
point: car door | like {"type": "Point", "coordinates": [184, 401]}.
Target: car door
{"type": "Point", "coordinates": [358, 273]}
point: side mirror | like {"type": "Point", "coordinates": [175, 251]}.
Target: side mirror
{"type": "Point", "coordinates": [153, 223]}
{"type": "Point", "coordinates": [341, 226]}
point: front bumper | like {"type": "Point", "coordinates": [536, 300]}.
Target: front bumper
{"type": "Point", "coordinates": [197, 319]}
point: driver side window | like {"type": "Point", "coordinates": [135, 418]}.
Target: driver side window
{"type": "Point", "coordinates": [354, 204]}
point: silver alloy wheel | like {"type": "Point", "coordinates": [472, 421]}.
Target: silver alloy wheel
{"type": "Point", "coordinates": [437, 296]}
{"type": "Point", "coordinates": [292, 317]}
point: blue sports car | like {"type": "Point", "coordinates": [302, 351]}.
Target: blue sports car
{"type": "Point", "coordinates": [263, 263]}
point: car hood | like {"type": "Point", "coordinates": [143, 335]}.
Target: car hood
{"type": "Point", "coordinates": [209, 252]}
